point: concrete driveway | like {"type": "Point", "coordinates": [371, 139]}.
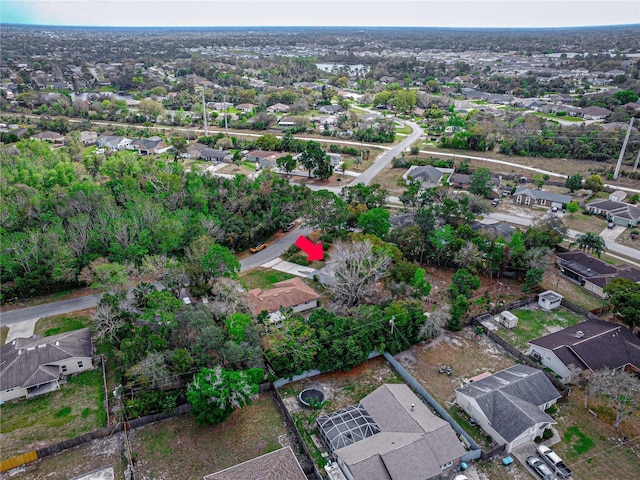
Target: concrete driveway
{"type": "Point", "coordinates": [528, 449]}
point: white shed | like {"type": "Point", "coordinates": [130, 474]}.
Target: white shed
{"type": "Point", "coordinates": [549, 300]}
{"type": "Point", "coordinates": [508, 319]}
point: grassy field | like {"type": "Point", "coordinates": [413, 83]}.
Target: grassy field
{"type": "Point", "coordinates": [178, 448]}
{"type": "Point", "coordinates": [534, 323]}
{"type": "Point", "coordinates": [584, 223]}
{"type": "Point", "coordinates": [47, 326]}
{"type": "Point", "coordinates": [262, 277]}
{"type": "Point", "coordinates": [44, 420]}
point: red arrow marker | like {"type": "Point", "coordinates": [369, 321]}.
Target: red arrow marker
{"type": "Point", "coordinates": [313, 250]}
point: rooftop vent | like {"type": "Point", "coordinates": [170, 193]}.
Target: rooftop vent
{"type": "Point", "coordinates": [413, 407]}
{"type": "Point", "coordinates": [579, 334]}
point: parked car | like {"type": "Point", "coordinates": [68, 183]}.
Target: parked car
{"type": "Point", "coordinates": [541, 468]}
{"type": "Point", "coordinates": [495, 202]}
{"type": "Point", "coordinates": [554, 461]}
{"type": "Point", "coordinates": [289, 227]}
{"type": "Point", "coordinates": [258, 247]}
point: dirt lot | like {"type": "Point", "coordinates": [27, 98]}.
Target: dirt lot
{"type": "Point", "coordinates": [172, 449]}
{"type": "Point", "coordinates": [178, 448]}
{"type": "Point", "coordinates": [75, 461]}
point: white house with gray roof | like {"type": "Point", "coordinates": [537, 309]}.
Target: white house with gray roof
{"type": "Point", "coordinates": [509, 405]}
{"type": "Point", "coordinates": [390, 435]}
{"type": "Point", "coordinates": [35, 365]}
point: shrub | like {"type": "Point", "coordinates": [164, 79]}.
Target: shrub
{"type": "Point", "coordinates": [63, 412]}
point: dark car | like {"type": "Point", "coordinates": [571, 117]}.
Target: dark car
{"type": "Point", "coordinates": [257, 248]}
{"type": "Point", "coordinates": [554, 461]}
{"type": "Point", "coordinates": [289, 227]}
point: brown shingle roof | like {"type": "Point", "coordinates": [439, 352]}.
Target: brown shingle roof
{"type": "Point", "coordinates": [285, 294]}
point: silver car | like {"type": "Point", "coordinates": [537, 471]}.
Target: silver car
{"type": "Point", "coordinates": [541, 468]}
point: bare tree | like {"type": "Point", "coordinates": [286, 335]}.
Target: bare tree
{"type": "Point", "coordinates": [435, 321]}
{"type": "Point", "coordinates": [152, 369]}
{"type": "Point", "coordinates": [108, 322]}
{"type": "Point", "coordinates": [621, 390]}
{"type": "Point", "coordinates": [356, 268]}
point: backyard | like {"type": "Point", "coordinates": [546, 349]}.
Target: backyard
{"type": "Point", "coordinates": [178, 448]}
{"type": "Point", "coordinates": [75, 409]}
{"type": "Point", "coordinates": [534, 322]}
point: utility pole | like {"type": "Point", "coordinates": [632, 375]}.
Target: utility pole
{"type": "Point", "coordinates": [226, 128]}
{"type": "Point", "coordinates": [204, 115]}
{"type": "Point", "coordinates": [624, 147]}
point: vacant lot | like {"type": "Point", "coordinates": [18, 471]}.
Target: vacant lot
{"type": "Point", "coordinates": [178, 448]}
{"type": "Point", "coordinates": [71, 411]}
{"type": "Point", "coordinates": [534, 322]}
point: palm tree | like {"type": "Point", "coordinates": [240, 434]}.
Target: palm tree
{"type": "Point", "coordinates": [591, 243]}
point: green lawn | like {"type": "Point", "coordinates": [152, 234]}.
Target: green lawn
{"type": "Point", "coordinates": [4, 331]}
{"type": "Point", "coordinates": [47, 326]}
{"type": "Point", "coordinates": [75, 409]}
{"type": "Point", "coordinates": [262, 277]}
{"type": "Point", "coordinates": [536, 323]}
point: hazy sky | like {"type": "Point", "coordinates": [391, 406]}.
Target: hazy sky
{"type": "Point", "coordinates": [418, 13]}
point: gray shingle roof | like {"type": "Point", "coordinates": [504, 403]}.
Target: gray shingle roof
{"type": "Point", "coordinates": [543, 195]}
{"type": "Point", "coordinates": [601, 345]}
{"type": "Point", "coordinates": [511, 399]}
{"type": "Point", "coordinates": [412, 443]}
{"type": "Point", "coordinates": [26, 362]}
{"type": "Point", "coordinates": [278, 465]}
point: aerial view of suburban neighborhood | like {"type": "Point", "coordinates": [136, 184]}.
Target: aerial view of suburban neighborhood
{"type": "Point", "coordinates": [305, 253]}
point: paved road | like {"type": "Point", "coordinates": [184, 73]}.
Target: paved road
{"type": "Point", "coordinates": [273, 250]}
{"type": "Point", "coordinates": [608, 237]}
{"type": "Point", "coordinates": [48, 309]}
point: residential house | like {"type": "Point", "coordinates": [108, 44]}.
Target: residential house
{"type": "Point", "coordinates": [496, 230]}
{"type": "Point", "coordinates": [595, 113]}
{"type": "Point", "coordinates": [592, 273]}
{"type": "Point", "coordinates": [148, 146]}
{"type": "Point", "coordinates": [51, 137]}
{"type": "Point", "coordinates": [463, 180]}
{"type": "Point", "coordinates": [509, 405]}
{"type": "Point", "coordinates": [216, 155]}
{"type": "Point", "coordinates": [264, 158]}
{"type": "Point", "coordinates": [618, 213]}
{"type": "Point", "coordinates": [194, 150]}
{"type": "Point", "coordinates": [591, 345]}
{"type": "Point", "coordinates": [36, 365]}
{"type": "Point", "coordinates": [113, 142]}
{"type": "Point", "coordinates": [390, 435]}
{"type": "Point", "coordinates": [330, 109]}
{"type": "Point", "coordinates": [88, 138]}
{"type": "Point", "coordinates": [291, 294]}
{"type": "Point", "coordinates": [532, 197]}
{"type": "Point", "coordinates": [427, 175]}
{"type": "Point", "coordinates": [278, 108]}
{"type": "Point", "coordinates": [288, 122]}
{"type": "Point", "coordinates": [246, 107]}
{"type": "Point", "coordinates": [280, 464]}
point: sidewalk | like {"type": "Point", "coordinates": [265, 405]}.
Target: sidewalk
{"type": "Point", "coordinates": [291, 268]}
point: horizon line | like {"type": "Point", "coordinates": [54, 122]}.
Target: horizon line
{"type": "Point", "coordinates": [13, 24]}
